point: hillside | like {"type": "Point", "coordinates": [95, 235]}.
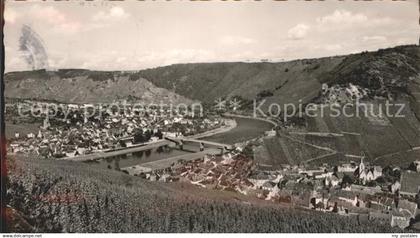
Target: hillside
{"type": "Point", "coordinates": [395, 68]}
{"type": "Point", "coordinates": [84, 86]}
{"type": "Point", "coordinates": [288, 81]}
{"type": "Point", "coordinates": [62, 196]}
{"type": "Point", "coordinates": [392, 74]}
{"type": "Point", "coordinates": [336, 140]}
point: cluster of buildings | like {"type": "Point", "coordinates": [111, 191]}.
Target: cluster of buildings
{"type": "Point", "coordinates": [77, 134]}
{"type": "Point", "coordinates": [229, 171]}
{"type": "Point", "coordinates": [387, 195]}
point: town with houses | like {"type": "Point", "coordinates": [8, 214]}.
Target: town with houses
{"type": "Point", "coordinates": [76, 134]}
{"type": "Point", "coordinates": [389, 195]}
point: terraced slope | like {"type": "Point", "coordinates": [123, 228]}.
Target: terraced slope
{"type": "Point", "coordinates": [389, 141]}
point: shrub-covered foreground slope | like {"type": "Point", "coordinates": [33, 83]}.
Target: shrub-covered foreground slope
{"type": "Point", "coordinates": [59, 196]}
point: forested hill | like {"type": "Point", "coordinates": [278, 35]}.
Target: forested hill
{"type": "Point", "coordinates": [397, 68]}
{"type": "Point", "coordinates": [86, 86]}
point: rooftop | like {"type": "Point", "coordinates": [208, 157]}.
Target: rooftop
{"type": "Point", "coordinates": [410, 182]}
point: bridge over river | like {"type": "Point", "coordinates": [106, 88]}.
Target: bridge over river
{"type": "Point", "coordinates": [150, 145]}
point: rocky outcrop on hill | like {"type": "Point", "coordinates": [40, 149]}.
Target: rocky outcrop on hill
{"type": "Point", "coordinates": [387, 72]}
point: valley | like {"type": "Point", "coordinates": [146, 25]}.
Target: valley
{"type": "Point", "coordinates": [307, 165]}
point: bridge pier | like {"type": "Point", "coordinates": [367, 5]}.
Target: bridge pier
{"type": "Point", "coordinates": [201, 146]}
{"type": "Point", "coordinates": [181, 145]}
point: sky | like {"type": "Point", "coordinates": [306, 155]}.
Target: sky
{"type": "Point", "coordinates": [134, 35]}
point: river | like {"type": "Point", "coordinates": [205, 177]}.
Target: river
{"type": "Point", "coordinates": [245, 129]}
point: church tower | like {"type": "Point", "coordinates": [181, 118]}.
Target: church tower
{"type": "Point", "coordinates": [362, 166]}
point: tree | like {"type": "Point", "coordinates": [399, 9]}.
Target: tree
{"type": "Point", "coordinates": [139, 136]}
{"type": "Point", "coordinates": [264, 94]}
{"type": "Point", "coordinates": [347, 180]}
{"type": "Point", "coordinates": [248, 151]}
{"type": "Point", "coordinates": [159, 134]}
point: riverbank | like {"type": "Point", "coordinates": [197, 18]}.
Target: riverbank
{"type": "Point", "coordinates": [249, 117]}
{"type": "Point", "coordinates": [247, 128]}
{"type": "Point", "coordinates": [229, 125]}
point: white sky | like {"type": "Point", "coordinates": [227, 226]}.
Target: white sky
{"type": "Point", "coordinates": [133, 35]}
